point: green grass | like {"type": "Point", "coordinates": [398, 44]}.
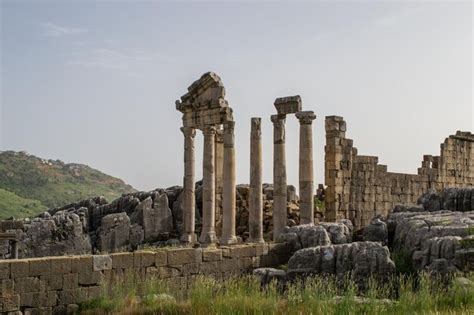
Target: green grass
{"type": "Point", "coordinates": [53, 183]}
{"type": "Point", "coordinates": [12, 205]}
{"type": "Point", "coordinates": [317, 295]}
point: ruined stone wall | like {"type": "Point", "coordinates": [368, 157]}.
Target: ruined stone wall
{"type": "Point", "coordinates": [358, 188]}
{"type": "Point", "coordinates": [58, 284]}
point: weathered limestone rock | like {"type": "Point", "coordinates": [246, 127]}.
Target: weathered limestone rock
{"type": "Point", "coordinates": [306, 176]}
{"type": "Point", "coordinates": [256, 182]}
{"type": "Point", "coordinates": [359, 260]}
{"type": "Point", "coordinates": [60, 234]}
{"type": "Point", "coordinates": [304, 236]}
{"type": "Point", "coordinates": [339, 232]}
{"type": "Point", "coordinates": [376, 231]}
{"type": "Point", "coordinates": [429, 236]}
{"type": "Point", "coordinates": [279, 175]}
{"type": "Point", "coordinates": [455, 199]}
{"type": "Point", "coordinates": [116, 233]}
{"type": "Point", "coordinates": [154, 216]}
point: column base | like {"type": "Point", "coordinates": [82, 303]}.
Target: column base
{"type": "Point", "coordinates": [208, 238]}
{"type": "Point", "coordinates": [257, 241]}
{"type": "Point", "coordinates": [188, 238]}
{"type": "Point", "coordinates": [229, 241]}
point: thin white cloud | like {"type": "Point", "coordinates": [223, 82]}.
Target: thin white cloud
{"type": "Point", "coordinates": [55, 30]}
{"type": "Point", "coordinates": [113, 59]}
{"type": "Point", "coordinates": [397, 17]}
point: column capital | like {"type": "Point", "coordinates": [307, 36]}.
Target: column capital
{"type": "Point", "coordinates": [209, 130]}
{"type": "Point", "coordinates": [229, 127]}
{"type": "Point", "coordinates": [278, 119]}
{"type": "Point", "coordinates": [188, 132]}
{"type": "Point", "coordinates": [306, 117]}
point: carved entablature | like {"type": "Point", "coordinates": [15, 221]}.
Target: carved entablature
{"type": "Point", "coordinates": [205, 103]}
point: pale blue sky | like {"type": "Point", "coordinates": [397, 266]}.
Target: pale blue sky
{"type": "Point", "coordinates": [96, 82]}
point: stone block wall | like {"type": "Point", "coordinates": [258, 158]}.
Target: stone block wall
{"type": "Point", "coordinates": [358, 188]}
{"type": "Point", "coordinates": [58, 284]}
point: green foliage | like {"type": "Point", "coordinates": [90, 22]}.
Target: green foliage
{"type": "Point", "coordinates": [316, 295]}
{"type": "Point", "coordinates": [12, 205]}
{"type": "Point", "coordinates": [52, 183]}
{"type": "Point", "coordinates": [403, 262]}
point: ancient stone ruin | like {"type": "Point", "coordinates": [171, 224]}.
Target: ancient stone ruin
{"type": "Point", "coordinates": [368, 213]}
{"type": "Point", "coordinates": [358, 188]}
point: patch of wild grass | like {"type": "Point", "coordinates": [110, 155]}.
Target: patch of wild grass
{"type": "Point", "coordinates": [314, 295]}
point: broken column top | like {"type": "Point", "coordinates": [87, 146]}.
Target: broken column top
{"type": "Point", "coordinates": [206, 93]}
{"type": "Point", "coordinates": [288, 104]}
{"type": "Point", "coordinates": [205, 104]}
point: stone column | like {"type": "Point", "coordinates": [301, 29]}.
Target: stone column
{"type": "Point", "coordinates": [189, 201]}
{"type": "Point", "coordinates": [208, 233]}
{"type": "Point", "coordinates": [219, 169]}
{"type": "Point", "coordinates": [279, 175]}
{"type": "Point", "coordinates": [255, 193]}
{"type": "Point", "coordinates": [228, 196]}
{"type": "Point", "coordinates": [306, 176]}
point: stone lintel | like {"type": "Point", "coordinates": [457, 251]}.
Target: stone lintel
{"type": "Point", "coordinates": [202, 118]}
{"type": "Point", "coordinates": [288, 104]}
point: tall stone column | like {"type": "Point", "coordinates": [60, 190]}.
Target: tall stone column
{"type": "Point", "coordinates": [279, 175]}
{"type": "Point", "coordinates": [208, 233]}
{"type": "Point", "coordinates": [306, 176]}
{"type": "Point", "coordinates": [255, 193]}
{"type": "Point", "coordinates": [188, 186]}
{"type": "Point", "coordinates": [228, 197]}
{"type": "Point", "coordinates": [219, 169]}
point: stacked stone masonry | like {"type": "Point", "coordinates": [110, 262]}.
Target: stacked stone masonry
{"type": "Point", "coordinates": [358, 188]}
{"type": "Point", "coordinates": [56, 285]}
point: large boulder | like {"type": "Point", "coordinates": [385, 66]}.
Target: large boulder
{"type": "Point", "coordinates": [339, 232]}
{"type": "Point", "coordinates": [113, 233]}
{"type": "Point", "coordinates": [155, 216]}
{"type": "Point", "coordinates": [304, 236]}
{"type": "Point", "coordinates": [358, 260]}
{"type": "Point", "coordinates": [376, 231]}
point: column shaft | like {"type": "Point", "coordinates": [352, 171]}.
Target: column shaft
{"type": "Point", "coordinates": [189, 201]}
{"type": "Point", "coordinates": [255, 193]}
{"type": "Point", "coordinates": [228, 197]}
{"type": "Point", "coordinates": [279, 175]}
{"type": "Point", "coordinates": [208, 234]}
{"type": "Point", "coordinates": [306, 176]}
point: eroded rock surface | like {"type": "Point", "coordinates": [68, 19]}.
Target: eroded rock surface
{"type": "Point", "coordinates": [358, 260]}
{"type": "Point", "coordinates": [437, 241]}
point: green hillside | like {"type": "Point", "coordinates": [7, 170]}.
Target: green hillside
{"type": "Point", "coordinates": [12, 205]}
{"type": "Point", "coordinates": [52, 183]}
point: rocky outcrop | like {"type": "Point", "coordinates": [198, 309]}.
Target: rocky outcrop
{"type": "Point", "coordinates": [436, 241]}
{"type": "Point", "coordinates": [358, 260]}
{"type": "Point", "coordinates": [376, 231]}
{"type": "Point", "coordinates": [155, 217]}
{"type": "Point", "coordinates": [454, 199]}
{"type": "Point", "coordinates": [116, 233]}
{"type": "Point", "coordinates": [63, 233]}
{"type": "Point", "coordinates": [304, 236]}
{"type": "Point", "coordinates": [339, 232]}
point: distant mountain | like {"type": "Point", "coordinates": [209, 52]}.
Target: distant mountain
{"type": "Point", "coordinates": [29, 184]}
